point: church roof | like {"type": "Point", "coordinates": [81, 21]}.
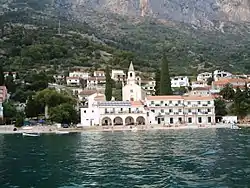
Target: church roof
{"type": "Point", "coordinates": [131, 67]}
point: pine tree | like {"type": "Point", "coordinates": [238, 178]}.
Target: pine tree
{"type": "Point", "coordinates": [1, 76]}
{"type": "Point", "coordinates": [108, 86]}
{"type": "Point", "coordinates": [157, 81]}
{"type": "Point", "coordinates": [165, 84]}
{"type": "Point", "coordinates": [10, 84]}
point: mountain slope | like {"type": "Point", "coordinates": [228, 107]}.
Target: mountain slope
{"type": "Point", "coordinates": [196, 45]}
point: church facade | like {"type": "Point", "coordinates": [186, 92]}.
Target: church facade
{"type": "Point", "coordinates": [138, 109]}
{"type": "Point", "coordinates": [132, 91]}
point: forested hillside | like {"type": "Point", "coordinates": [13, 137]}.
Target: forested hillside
{"type": "Point", "coordinates": [30, 39]}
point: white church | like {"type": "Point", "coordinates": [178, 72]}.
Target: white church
{"type": "Point", "coordinates": [138, 109]}
{"type": "Point", "coordinates": [132, 91]}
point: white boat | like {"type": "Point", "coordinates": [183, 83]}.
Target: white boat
{"type": "Point", "coordinates": [134, 129]}
{"type": "Point", "coordinates": [234, 126]}
{"type": "Point", "coordinates": [27, 128]}
{"type": "Point", "coordinates": [62, 132]}
{"type": "Point", "coordinates": [31, 134]}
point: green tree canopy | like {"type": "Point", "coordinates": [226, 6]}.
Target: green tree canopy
{"type": "Point", "coordinates": [1, 76]}
{"type": "Point", "coordinates": [10, 84]}
{"type": "Point", "coordinates": [108, 86]}
{"type": "Point", "coordinates": [165, 84]}
{"type": "Point", "coordinates": [63, 113]}
{"type": "Point", "coordinates": [157, 81]}
{"type": "Point", "coordinates": [220, 108]}
{"type": "Point", "coordinates": [240, 106]}
{"type": "Point", "coordinates": [33, 108]}
{"type": "Point", "coordinates": [9, 111]}
{"type": "Point", "coordinates": [227, 92]}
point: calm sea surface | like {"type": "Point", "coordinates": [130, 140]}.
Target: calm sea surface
{"type": "Point", "coordinates": [183, 158]}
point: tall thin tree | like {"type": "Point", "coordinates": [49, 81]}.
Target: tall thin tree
{"type": "Point", "coordinates": [108, 86]}
{"type": "Point", "coordinates": [165, 84]}
{"type": "Point", "coordinates": [1, 76]}
{"type": "Point", "coordinates": [157, 81]}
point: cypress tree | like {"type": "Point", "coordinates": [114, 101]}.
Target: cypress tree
{"type": "Point", "coordinates": [108, 86]}
{"type": "Point", "coordinates": [165, 84]}
{"type": "Point", "coordinates": [10, 84]}
{"type": "Point", "coordinates": [1, 76]}
{"type": "Point", "coordinates": [157, 81]}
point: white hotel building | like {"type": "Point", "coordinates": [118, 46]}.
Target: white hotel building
{"type": "Point", "coordinates": [138, 109]}
{"type": "Point", "coordinates": [180, 110]}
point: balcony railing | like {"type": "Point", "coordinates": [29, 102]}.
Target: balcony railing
{"type": "Point", "coordinates": [123, 112]}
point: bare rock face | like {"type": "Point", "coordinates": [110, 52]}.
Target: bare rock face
{"type": "Point", "coordinates": [197, 12]}
{"type": "Point", "coordinates": [200, 13]}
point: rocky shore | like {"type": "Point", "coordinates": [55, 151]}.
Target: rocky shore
{"type": "Point", "coordinates": [9, 129]}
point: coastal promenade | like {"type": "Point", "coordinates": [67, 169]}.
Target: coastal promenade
{"type": "Point", "coordinates": [9, 129]}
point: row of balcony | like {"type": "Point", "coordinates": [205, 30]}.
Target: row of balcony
{"type": "Point", "coordinates": [124, 112]}
{"type": "Point", "coordinates": [183, 105]}
{"type": "Point", "coordinates": [185, 113]}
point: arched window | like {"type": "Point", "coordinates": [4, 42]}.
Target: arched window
{"type": "Point", "coordinates": [131, 74]}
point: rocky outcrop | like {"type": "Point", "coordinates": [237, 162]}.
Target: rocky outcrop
{"type": "Point", "coordinates": [199, 13]}
{"type": "Point", "coordinates": [196, 12]}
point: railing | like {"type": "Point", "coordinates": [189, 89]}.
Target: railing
{"type": "Point", "coordinates": [123, 112]}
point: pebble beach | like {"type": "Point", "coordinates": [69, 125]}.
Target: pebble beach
{"type": "Point", "coordinates": [9, 129]}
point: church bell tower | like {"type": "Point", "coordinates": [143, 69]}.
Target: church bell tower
{"type": "Point", "coordinates": [131, 74]}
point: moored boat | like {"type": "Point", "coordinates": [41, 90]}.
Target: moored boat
{"type": "Point", "coordinates": [134, 129]}
{"type": "Point", "coordinates": [62, 132]}
{"type": "Point", "coordinates": [234, 126]}
{"type": "Point", "coordinates": [31, 134]}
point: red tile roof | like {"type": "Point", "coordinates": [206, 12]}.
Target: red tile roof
{"type": "Point", "coordinates": [164, 97]}
{"type": "Point", "coordinates": [87, 92]}
{"type": "Point", "coordinates": [76, 78]}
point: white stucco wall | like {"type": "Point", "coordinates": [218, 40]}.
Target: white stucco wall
{"type": "Point", "coordinates": [90, 116]}
{"type": "Point", "coordinates": [131, 91]}
{"type": "Point", "coordinates": [1, 110]}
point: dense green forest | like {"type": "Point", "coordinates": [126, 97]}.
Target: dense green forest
{"type": "Point", "coordinates": [30, 40]}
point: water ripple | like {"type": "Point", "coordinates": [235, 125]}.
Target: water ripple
{"type": "Point", "coordinates": [183, 158]}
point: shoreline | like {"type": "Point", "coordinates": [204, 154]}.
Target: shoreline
{"type": "Point", "coordinates": [8, 129]}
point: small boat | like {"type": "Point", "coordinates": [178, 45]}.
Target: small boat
{"type": "Point", "coordinates": [62, 132]}
{"type": "Point", "coordinates": [27, 128]}
{"type": "Point", "coordinates": [134, 129]}
{"type": "Point", "coordinates": [234, 126]}
{"type": "Point", "coordinates": [31, 134]}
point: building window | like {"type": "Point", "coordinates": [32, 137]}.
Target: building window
{"type": "Point", "coordinates": [199, 120]}
{"type": "Point", "coordinates": [170, 110]}
{"type": "Point", "coordinates": [209, 119]}
{"type": "Point", "coordinates": [208, 102]}
{"type": "Point", "coordinates": [180, 119]}
{"type": "Point", "coordinates": [199, 102]}
{"type": "Point", "coordinates": [162, 102]}
{"type": "Point", "coordinates": [170, 102]}
{"type": "Point", "coordinates": [199, 110]}
{"type": "Point", "coordinates": [189, 102]}
{"type": "Point", "coordinates": [131, 90]}
{"type": "Point", "coordinates": [179, 110]}
{"type": "Point", "coordinates": [131, 74]}
{"type": "Point", "coordinates": [189, 120]}
{"type": "Point", "coordinates": [209, 110]}
{"type": "Point", "coordinates": [121, 109]}
{"type": "Point", "coordinates": [92, 111]}
{"type": "Point", "coordinates": [147, 114]}
{"type": "Point", "coordinates": [162, 111]}
{"type": "Point", "coordinates": [189, 110]}
{"type": "Point", "coordinates": [171, 120]}
{"type": "Point", "coordinates": [179, 102]}
{"type": "Point", "coordinates": [153, 111]}
{"type": "Point", "coordinates": [152, 102]}
{"type": "Point", "coordinates": [84, 111]}
{"type": "Point", "coordinates": [129, 110]}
